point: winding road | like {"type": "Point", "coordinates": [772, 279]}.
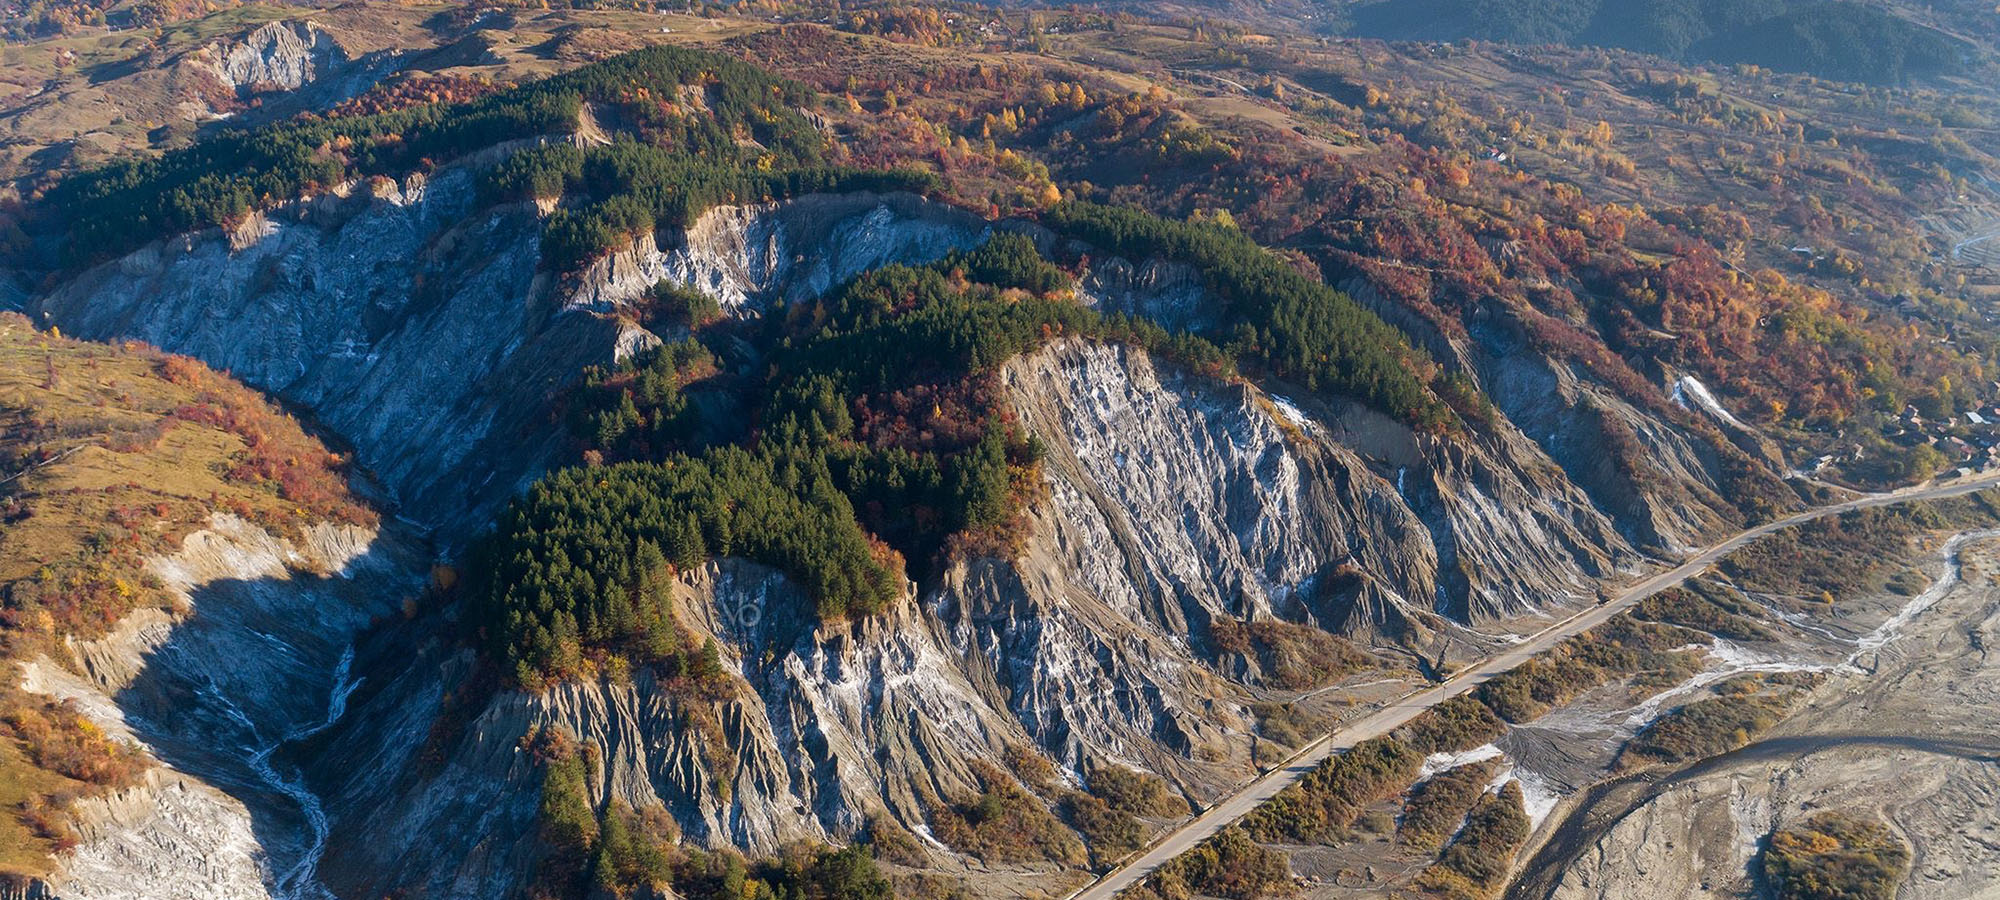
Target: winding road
{"type": "Point", "coordinates": [1388, 718]}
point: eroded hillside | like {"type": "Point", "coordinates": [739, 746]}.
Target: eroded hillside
{"type": "Point", "coordinates": [863, 459]}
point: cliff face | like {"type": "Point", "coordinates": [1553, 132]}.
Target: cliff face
{"type": "Point", "coordinates": [418, 329]}
{"type": "Point", "coordinates": [282, 56]}
{"type": "Point", "coordinates": [1654, 480]}
{"type": "Point", "coordinates": [220, 695]}
{"type": "Point", "coordinates": [749, 256]}
{"type": "Point", "coordinates": [286, 66]}
{"type": "Point", "coordinates": [416, 326]}
{"type": "Point", "coordinates": [1172, 502]}
{"type": "Point", "coordinates": [406, 322]}
{"type": "Point", "coordinates": [820, 731]}
{"type": "Point", "coordinates": [1510, 533]}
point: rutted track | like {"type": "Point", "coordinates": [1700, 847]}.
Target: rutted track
{"type": "Point", "coordinates": [1605, 803]}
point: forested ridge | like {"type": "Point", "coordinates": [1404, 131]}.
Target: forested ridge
{"type": "Point", "coordinates": [692, 104]}
{"type": "Point", "coordinates": [877, 445]}
{"type": "Point", "coordinates": [880, 438]}
{"type": "Point", "coordinates": [615, 192]}
{"type": "Point", "coordinates": [1579, 229]}
{"type": "Point", "coordinates": [1295, 326]}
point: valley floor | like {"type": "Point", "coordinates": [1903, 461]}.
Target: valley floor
{"type": "Point", "coordinates": [1906, 733]}
{"type": "Point", "coordinates": [1562, 758]}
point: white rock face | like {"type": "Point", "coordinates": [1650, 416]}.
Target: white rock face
{"type": "Point", "coordinates": [418, 328]}
{"type": "Point", "coordinates": [167, 838]}
{"type": "Point", "coordinates": [1173, 501]}
{"type": "Point", "coordinates": [1628, 463]}
{"type": "Point", "coordinates": [1228, 507]}
{"type": "Point", "coordinates": [277, 56]}
{"type": "Point", "coordinates": [1080, 647]}
{"type": "Point", "coordinates": [750, 256]}
{"type": "Point", "coordinates": [825, 729]}
{"type": "Point", "coordinates": [1166, 292]}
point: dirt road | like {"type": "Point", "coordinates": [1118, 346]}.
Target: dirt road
{"type": "Point", "coordinates": [1381, 722]}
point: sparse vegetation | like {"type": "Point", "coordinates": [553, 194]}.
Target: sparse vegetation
{"type": "Point", "coordinates": [1134, 792]}
{"type": "Point", "coordinates": [1005, 824]}
{"type": "Point", "coordinates": [1286, 724]}
{"type": "Point", "coordinates": [1476, 863]}
{"type": "Point", "coordinates": [1454, 726]}
{"type": "Point", "coordinates": [1292, 656]}
{"type": "Point", "coordinates": [1740, 710]}
{"type": "Point", "coordinates": [1705, 607]}
{"type": "Point", "coordinates": [1438, 805]}
{"type": "Point", "coordinates": [1322, 806]}
{"type": "Point", "coordinates": [1111, 833]}
{"type": "Point", "coordinates": [1230, 865]}
{"type": "Point", "coordinates": [1850, 554]}
{"type": "Point", "coordinates": [1621, 647]}
{"type": "Point", "coordinates": [1834, 856]}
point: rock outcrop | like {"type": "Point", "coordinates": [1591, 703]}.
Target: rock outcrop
{"type": "Point", "coordinates": [750, 256]}
{"type": "Point", "coordinates": [278, 56]}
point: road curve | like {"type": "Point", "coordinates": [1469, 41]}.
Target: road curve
{"type": "Point", "coordinates": [1385, 720]}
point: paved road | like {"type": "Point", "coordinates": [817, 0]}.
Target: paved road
{"type": "Point", "coordinates": [1385, 720]}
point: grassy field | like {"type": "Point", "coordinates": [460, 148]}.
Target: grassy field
{"type": "Point", "coordinates": [24, 851]}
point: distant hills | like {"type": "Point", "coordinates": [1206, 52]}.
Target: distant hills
{"type": "Point", "coordinates": [1847, 41]}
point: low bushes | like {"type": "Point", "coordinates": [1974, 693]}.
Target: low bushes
{"type": "Point", "coordinates": [1230, 865]}
{"type": "Point", "coordinates": [1286, 724]}
{"type": "Point", "coordinates": [1838, 556]}
{"type": "Point", "coordinates": [1621, 647]}
{"type": "Point", "coordinates": [1134, 792]}
{"type": "Point", "coordinates": [1454, 726]}
{"type": "Point", "coordinates": [1476, 864]}
{"type": "Point", "coordinates": [1323, 805]}
{"type": "Point", "coordinates": [1292, 656]}
{"type": "Point", "coordinates": [1437, 806]}
{"type": "Point", "coordinates": [1111, 833]}
{"type": "Point", "coordinates": [1834, 856]}
{"type": "Point", "coordinates": [1742, 709]}
{"type": "Point", "coordinates": [1702, 729]}
{"type": "Point", "coordinates": [1706, 609]}
{"type": "Point", "coordinates": [1108, 816]}
{"type": "Point", "coordinates": [1004, 824]}
{"type": "Point", "coordinates": [58, 738]}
